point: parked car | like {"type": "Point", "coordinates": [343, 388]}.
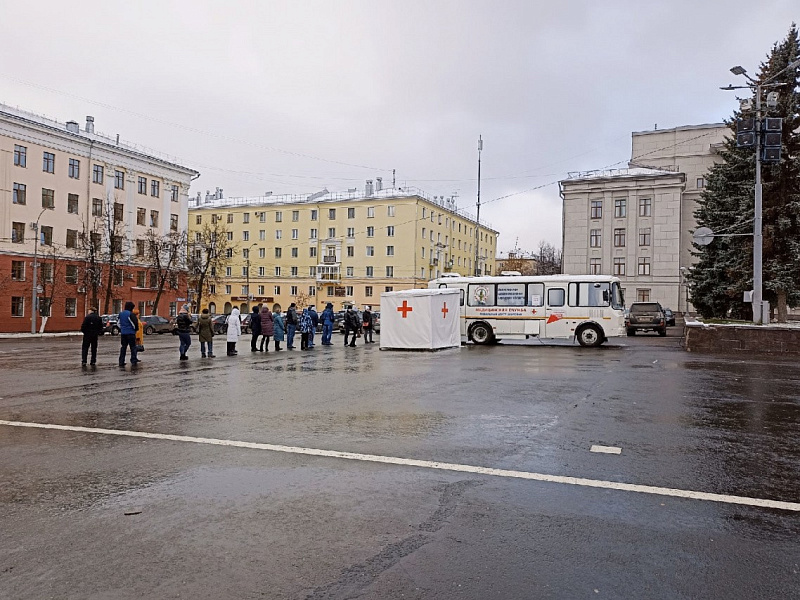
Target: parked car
{"type": "Point", "coordinates": [670, 316]}
{"type": "Point", "coordinates": [155, 324]}
{"type": "Point", "coordinates": [646, 316]}
{"type": "Point", "coordinates": [110, 324]}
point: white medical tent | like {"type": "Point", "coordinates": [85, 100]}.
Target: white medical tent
{"type": "Point", "coordinates": [420, 319]}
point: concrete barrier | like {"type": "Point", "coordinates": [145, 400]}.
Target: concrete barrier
{"type": "Point", "coordinates": [735, 339]}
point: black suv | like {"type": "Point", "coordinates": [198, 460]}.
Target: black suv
{"type": "Point", "coordinates": [646, 316]}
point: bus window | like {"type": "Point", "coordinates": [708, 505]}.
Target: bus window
{"type": "Point", "coordinates": [510, 294]}
{"type": "Point", "coordinates": [589, 294]}
{"type": "Point", "coordinates": [535, 294]}
{"type": "Point", "coordinates": [481, 294]}
{"type": "Point", "coordinates": [555, 297]}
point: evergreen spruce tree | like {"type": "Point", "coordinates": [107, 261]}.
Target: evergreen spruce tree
{"type": "Point", "coordinates": [725, 267]}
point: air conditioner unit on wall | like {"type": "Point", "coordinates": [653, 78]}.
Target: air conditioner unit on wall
{"type": "Point", "coordinates": [81, 290]}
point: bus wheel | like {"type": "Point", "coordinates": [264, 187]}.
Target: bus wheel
{"type": "Point", "coordinates": [590, 335]}
{"type": "Point", "coordinates": [481, 333]}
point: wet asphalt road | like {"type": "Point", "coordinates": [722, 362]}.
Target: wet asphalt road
{"type": "Point", "coordinates": [210, 521]}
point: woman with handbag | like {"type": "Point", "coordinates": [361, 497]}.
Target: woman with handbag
{"type": "Point", "coordinates": [139, 332]}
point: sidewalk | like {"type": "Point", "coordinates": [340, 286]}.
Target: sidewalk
{"type": "Point", "coordinates": [36, 336]}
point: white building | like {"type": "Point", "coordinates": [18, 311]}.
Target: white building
{"type": "Point", "coordinates": [637, 223]}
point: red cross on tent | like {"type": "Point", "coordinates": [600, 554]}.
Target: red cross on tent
{"type": "Point", "coordinates": [445, 310]}
{"type": "Point", "coordinates": [405, 309]}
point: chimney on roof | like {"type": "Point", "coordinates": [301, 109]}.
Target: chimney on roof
{"type": "Point", "coordinates": [89, 124]}
{"type": "Point", "coordinates": [368, 188]}
{"type": "Point", "coordinates": [73, 127]}
{"type": "Point", "coordinates": [378, 184]}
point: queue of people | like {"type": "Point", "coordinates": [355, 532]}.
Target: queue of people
{"type": "Point", "coordinates": [265, 325]}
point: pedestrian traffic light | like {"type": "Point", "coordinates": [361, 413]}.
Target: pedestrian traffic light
{"type": "Point", "coordinates": [772, 139]}
{"type": "Point", "coordinates": [746, 132]}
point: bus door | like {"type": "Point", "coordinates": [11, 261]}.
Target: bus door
{"type": "Point", "coordinates": [534, 309]}
{"type": "Point", "coordinates": [555, 323]}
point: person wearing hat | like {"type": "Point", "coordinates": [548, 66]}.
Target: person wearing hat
{"type": "Point", "coordinates": [184, 324]}
{"type": "Point", "coordinates": [91, 329]}
{"type": "Point", "coordinates": [292, 321]}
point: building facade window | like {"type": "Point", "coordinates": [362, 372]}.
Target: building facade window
{"type": "Point", "coordinates": [278, 252]}
{"type": "Point", "coordinates": [20, 193]}
{"type": "Point", "coordinates": [389, 250]}
{"type": "Point", "coordinates": [351, 213]}
{"type": "Point", "coordinates": [155, 188]}
{"type": "Point", "coordinates": [70, 307]}
{"type": "Point", "coordinates": [351, 232]}
{"type": "Point", "coordinates": [314, 214]}
{"type": "Point", "coordinates": [141, 218]}
{"type": "Point", "coordinates": [174, 194]}
{"type": "Point", "coordinates": [295, 215]}
{"type": "Point", "coordinates": [331, 232]}
{"type": "Point", "coordinates": [594, 266]}
{"type": "Point", "coordinates": [594, 238]}
{"type": "Point", "coordinates": [370, 250]}
{"type": "Point", "coordinates": [644, 266]}
{"type": "Point", "coordinates": [312, 252]}
{"type": "Point", "coordinates": [153, 218]}
{"type": "Point", "coordinates": [72, 204]}
{"type": "Point", "coordinates": [645, 207]}
{"type": "Point", "coordinates": [20, 156]}
{"type": "Point", "coordinates": [331, 214]}
{"type": "Point", "coordinates": [72, 238]}
{"type": "Point", "coordinates": [74, 168]}
{"type": "Point", "coordinates": [390, 231]}
{"type": "Point", "coordinates": [97, 174]}
{"type": "Point", "coordinates": [350, 271]}
{"type": "Point", "coordinates": [277, 271]}
{"type": "Point", "coordinates": [17, 306]}
{"type": "Point", "coordinates": [46, 236]}
{"type": "Point", "coordinates": [295, 234]}
{"type": "Point", "coordinates": [71, 275]}
{"type": "Point", "coordinates": [97, 207]}
{"type": "Point", "coordinates": [619, 266]}
{"type": "Point", "coordinates": [18, 270]}
{"type": "Point", "coordinates": [644, 236]}
{"type": "Point", "coordinates": [371, 212]}
{"type": "Point", "coordinates": [596, 209]}
{"type": "Point", "coordinates": [390, 212]}
{"type": "Point", "coordinates": [293, 290]}
{"type": "Point", "coordinates": [313, 234]}
{"type": "Point", "coordinates": [389, 271]}
{"type": "Point", "coordinates": [370, 272]}
{"type": "Point", "coordinates": [140, 248]}
{"type": "Point", "coordinates": [701, 182]}
{"type": "Point", "coordinates": [370, 232]}
{"type": "Point", "coordinates": [368, 291]}
{"type": "Point", "coordinates": [142, 187]}
{"type": "Point", "coordinates": [619, 238]}
{"type": "Point", "coordinates": [17, 233]}
{"type": "Point", "coordinates": [48, 162]}
{"type": "Point", "coordinates": [48, 198]}
{"type": "Point", "coordinates": [295, 252]}
{"type": "Point", "coordinates": [620, 208]}
{"type": "Point", "coordinates": [173, 222]}
{"type": "Point", "coordinates": [351, 251]}
{"type": "Point", "coordinates": [642, 295]}
{"type": "Point", "coordinates": [119, 180]}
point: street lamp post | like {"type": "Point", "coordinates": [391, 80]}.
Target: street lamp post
{"type": "Point", "coordinates": [35, 283]}
{"type": "Point", "coordinates": [478, 216]}
{"type": "Point", "coordinates": [760, 309]}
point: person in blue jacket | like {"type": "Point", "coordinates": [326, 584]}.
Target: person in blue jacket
{"type": "Point", "coordinates": [277, 325]}
{"type": "Point", "coordinates": [327, 319]}
{"type": "Point", "coordinates": [128, 324]}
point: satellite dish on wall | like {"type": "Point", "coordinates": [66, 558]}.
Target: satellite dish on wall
{"type": "Point", "coordinates": [703, 236]}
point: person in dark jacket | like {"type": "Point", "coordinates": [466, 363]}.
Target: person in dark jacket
{"type": "Point", "coordinates": [351, 326]}
{"type": "Point", "coordinates": [327, 319]}
{"type": "Point", "coordinates": [91, 328]}
{"type": "Point", "coordinates": [128, 324]}
{"type": "Point", "coordinates": [205, 333]}
{"type": "Point", "coordinates": [267, 328]}
{"type": "Point", "coordinates": [292, 321]}
{"type": "Point", "coordinates": [367, 324]}
{"type": "Point", "coordinates": [255, 329]}
{"type": "Point", "coordinates": [184, 323]}
{"type": "Point", "coordinates": [312, 312]}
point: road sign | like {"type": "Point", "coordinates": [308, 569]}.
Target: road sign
{"type": "Point", "coordinates": [703, 236]}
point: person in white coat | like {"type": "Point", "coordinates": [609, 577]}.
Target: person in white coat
{"type": "Point", "coordinates": [234, 331]}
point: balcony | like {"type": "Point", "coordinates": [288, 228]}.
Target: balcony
{"type": "Point", "coordinates": [329, 260]}
{"type": "Point", "coordinates": [329, 273]}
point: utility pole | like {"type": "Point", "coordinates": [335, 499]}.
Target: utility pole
{"type": "Point", "coordinates": [34, 291]}
{"type": "Point", "coordinates": [478, 217]}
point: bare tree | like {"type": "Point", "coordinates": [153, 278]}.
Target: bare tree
{"type": "Point", "coordinates": [548, 259]}
{"type": "Point", "coordinates": [52, 281]}
{"type": "Point", "coordinates": [113, 243]}
{"type": "Point", "coordinates": [166, 254]}
{"type": "Point", "coordinates": [90, 249]}
{"type": "Point", "coordinates": [210, 252]}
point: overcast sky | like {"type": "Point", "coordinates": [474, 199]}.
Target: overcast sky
{"type": "Point", "coordinates": [297, 96]}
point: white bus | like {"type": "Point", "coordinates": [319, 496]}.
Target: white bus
{"type": "Point", "coordinates": [588, 307]}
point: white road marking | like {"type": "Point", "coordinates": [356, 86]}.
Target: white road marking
{"type": "Point", "coordinates": [605, 449]}
{"type": "Point", "coordinates": [427, 464]}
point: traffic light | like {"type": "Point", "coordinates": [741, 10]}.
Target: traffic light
{"type": "Point", "coordinates": [745, 132]}
{"type": "Point", "coordinates": [772, 139]}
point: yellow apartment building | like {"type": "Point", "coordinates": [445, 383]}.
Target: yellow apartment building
{"type": "Point", "coordinates": [344, 248]}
